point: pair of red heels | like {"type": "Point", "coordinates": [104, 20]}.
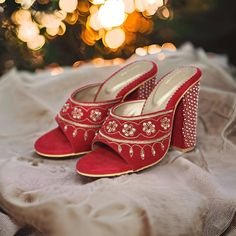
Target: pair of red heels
{"type": "Point", "coordinates": [129, 121]}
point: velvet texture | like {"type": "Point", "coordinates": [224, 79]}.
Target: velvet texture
{"type": "Point", "coordinates": [79, 121]}
{"type": "Point", "coordinates": [141, 141]}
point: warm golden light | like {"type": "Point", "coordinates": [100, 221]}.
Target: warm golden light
{"type": "Point", "coordinates": [56, 70]}
{"type": "Point", "coordinates": [27, 31]}
{"type": "Point", "coordinates": [52, 31]}
{"type": "Point", "coordinates": [48, 20]}
{"type": "Point", "coordinates": [117, 61]}
{"type": "Point", "coordinates": [21, 16]}
{"type": "Point", "coordinates": [153, 49]}
{"type": "Point", "coordinates": [62, 29]}
{"type": "Point", "coordinates": [97, 1]}
{"type": "Point", "coordinates": [115, 38]}
{"type": "Point", "coordinates": [168, 46]}
{"type": "Point", "coordinates": [129, 6]}
{"type": "Point", "coordinates": [94, 21]}
{"type": "Point", "coordinates": [2, 1]}
{"type": "Point", "coordinates": [68, 5]}
{"type": "Point", "coordinates": [36, 43]}
{"type": "Point", "coordinates": [25, 4]}
{"type": "Point", "coordinates": [141, 51]}
{"type": "Point", "coordinates": [165, 12]}
{"type": "Point", "coordinates": [149, 7]}
{"type": "Point", "coordinates": [60, 14]}
{"type": "Point", "coordinates": [112, 13]}
{"type": "Point", "coordinates": [161, 56]}
{"type": "Point", "coordinates": [116, 22]}
{"type": "Point", "coordinates": [76, 64]}
{"type": "Point", "coordinates": [152, 6]}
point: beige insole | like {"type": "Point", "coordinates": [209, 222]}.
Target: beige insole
{"type": "Point", "coordinates": [125, 76]}
{"type": "Point", "coordinates": [87, 94]}
{"type": "Point", "coordinates": [160, 96]}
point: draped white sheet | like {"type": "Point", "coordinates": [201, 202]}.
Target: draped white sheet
{"type": "Point", "coordinates": [186, 194]}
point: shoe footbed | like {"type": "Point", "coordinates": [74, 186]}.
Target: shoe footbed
{"type": "Point", "coordinates": [102, 161]}
{"type": "Point", "coordinates": [59, 146]}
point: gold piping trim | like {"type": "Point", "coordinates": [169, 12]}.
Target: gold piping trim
{"type": "Point", "coordinates": [95, 104]}
{"type": "Point", "coordinates": [125, 172]}
{"type": "Point", "coordinates": [183, 149]}
{"type": "Point", "coordinates": [61, 156]}
{"type": "Point", "coordinates": [132, 141]}
{"type": "Point", "coordinates": [141, 116]}
{"type": "Point", "coordinates": [78, 124]}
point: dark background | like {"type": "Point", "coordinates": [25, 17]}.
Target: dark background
{"type": "Point", "coordinates": [210, 24]}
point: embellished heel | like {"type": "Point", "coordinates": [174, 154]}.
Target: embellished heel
{"type": "Point", "coordinates": [185, 121]}
{"type": "Point", "coordinates": [143, 91]}
{"type": "Point", "coordinates": [137, 134]}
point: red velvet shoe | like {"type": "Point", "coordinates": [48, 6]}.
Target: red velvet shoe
{"type": "Point", "coordinates": [85, 111]}
{"type": "Point", "coordinates": [137, 134]}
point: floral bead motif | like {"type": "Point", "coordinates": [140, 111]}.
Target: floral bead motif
{"type": "Point", "coordinates": [149, 128]}
{"type": "Point", "coordinates": [65, 107]}
{"type": "Point", "coordinates": [77, 113]}
{"type": "Point", "coordinates": [111, 127]}
{"type": "Point", "coordinates": [165, 123]}
{"type": "Point", "coordinates": [128, 130]}
{"type": "Point", "coordinates": [95, 115]}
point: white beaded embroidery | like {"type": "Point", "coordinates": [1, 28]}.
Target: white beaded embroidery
{"type": "Point", "coordinates": [165, 123]}
{"type": "Point", "coordinates": [128, 130]}
{"type": "Point", "coordinates": [190, 102]}
{"type": "Point", "coordinates": [149, 128]}
{"type": "Point", "coordinates": [65, 107]}
{"type": "Point", "coordinates": [111, 127]}
{"type": "Point", "coordinates": [95, 115]}
{"type": "Point", "coordinates": [77, 113]}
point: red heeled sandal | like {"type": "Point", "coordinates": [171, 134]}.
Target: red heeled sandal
{"type": "Point", "coordinates": [85, 111]}
{"type": "Point", "coordinates": [137, 134]}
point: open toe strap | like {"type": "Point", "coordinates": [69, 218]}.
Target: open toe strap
{"type": "Point", "coordinates": [140, 141]}
{"type": "Point", "coordinates": [80, 121]}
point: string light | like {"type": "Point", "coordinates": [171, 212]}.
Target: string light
{"type": "Point", "coordinates": [168, 46]}
{"type": "Point", "coordinates": [153, 49]}
{"type": "Point", "coordinates": [116, 22]}
{"type": "Point", "coordinates": [112, 13]}
{"type": "Point", "coordinates": [68, 5]}
{"type": "Point", "coordinates": [129, 6]}
{"type": "Point", "coordinates": [115, 38]}
{"type": "Point", "coordinates": [25, 4]}
{"type": "Point", "coordinates": [141, 51]}
{"type": "Point", "coordinates": [28, 31]}
{"type": "Point", "coordinates": [21, 16]}
{"type": "Point", "coordinates": [156, 49]}
{"type": "Point", "coordinates": [97, 1]}
{"type": "Point", "coordinates": [36, 43]}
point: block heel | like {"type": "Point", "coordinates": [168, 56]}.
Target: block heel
{"type": "Point", "coordinates": [184, 131]}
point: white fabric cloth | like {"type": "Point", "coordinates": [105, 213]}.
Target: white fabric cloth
{"type": "Point", "coordinates": [186, 194]}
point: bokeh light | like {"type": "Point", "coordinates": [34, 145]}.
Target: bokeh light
{"type": "Point", "coordinates": [68, 5]}
{"type": "Point", "coordinates": [116, 22]}
{"type": "Point", "coordinates": [115, 38]}
{"type": "Point", "coordinates": [28, 31]}
{"type": "Point", "coordinates": [112, 13]}
{"type": "Point", "coordinates": [36, 43]}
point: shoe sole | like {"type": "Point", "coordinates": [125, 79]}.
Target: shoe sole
{"type": "Point", "coordinates": [61, 156]}
{"type": "Point", "coordinates": [145, 167]}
